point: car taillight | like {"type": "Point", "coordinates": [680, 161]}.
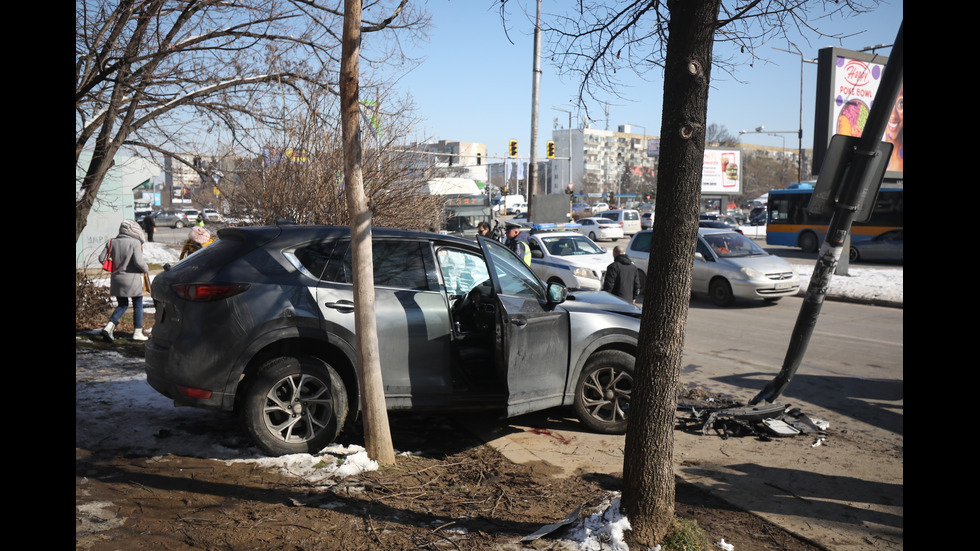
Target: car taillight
{"type": "Point", "coordinates": [192, 392]}
{"type": "Point", "coordinates": [203, 292]}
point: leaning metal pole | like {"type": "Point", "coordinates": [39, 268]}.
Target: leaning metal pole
{"type": "Point", "coordinates": [854, 189]}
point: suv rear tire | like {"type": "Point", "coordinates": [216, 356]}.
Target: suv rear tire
{"type": "Point", "coordinates": [294, 405]}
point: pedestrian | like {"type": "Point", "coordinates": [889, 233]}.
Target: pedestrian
{"type": "Point", "coordinates": [149, 226]}
{"type": "Point", "coordinates": [198, 238]}
{"type": "Point", "coordinates": [622, 278]}
{"type": "Point", "coordinates": [126, 281]}
{"type": "Point", "coordinates": [517, 242]}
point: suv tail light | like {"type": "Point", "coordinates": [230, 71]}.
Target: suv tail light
{"type": "Point", "coordinates": [204, 292]}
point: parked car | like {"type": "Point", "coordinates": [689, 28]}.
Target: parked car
{"type": "Point", "coordinates": [596, 228]}
{"type": "Point", "coordinates": [646, 221]}
{"type": "Point", "coordinates": [718, 225]}
{"type": "Point", "coordinates": [729, 266]}
{"type": "Point", "coordinates": [884, 246]}
{"type": "Point", "coordinates": [211, 215]}
{"type": "Point", "coordinates": [193, 215]}
{"type": "Point", "coordinates": [261, 322]}
{"type": "Point", "coordinates": [175, 218]}
{"type": "Point", "coordinates": [758, 216]}
{"type": "Point", "coordinates": [629, 218]}
{"type": "Point", "coordinates": [517, 208]}
{"type": "Point", "coordinates": [581, 207]}
{"type": "Point", "coordinates": [599, 207]}
{"type": "Point", "coordinates": [568, 258]}
{"type": "Point", "coordinates": [141, 214]}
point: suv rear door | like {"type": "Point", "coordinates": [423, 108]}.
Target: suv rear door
{"type": "Point", "coordinates": [411, 314]}
{"type": "Point", "coordinates": [532, 336]}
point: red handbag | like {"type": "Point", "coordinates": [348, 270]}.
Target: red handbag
{"type": "Point", "coordinates": [107, 265]}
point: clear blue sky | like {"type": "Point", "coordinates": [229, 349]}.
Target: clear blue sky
{"type": "Point", "coordinates": [474, 84]}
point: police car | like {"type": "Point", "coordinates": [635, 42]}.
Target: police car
{"type": "Point", "coordinates": [560, 254]}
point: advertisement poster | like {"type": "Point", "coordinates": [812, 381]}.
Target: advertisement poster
{"type": "Point", "coordinates": [847, 86]}
{"type": "Point", "coordinates": [722, 172]}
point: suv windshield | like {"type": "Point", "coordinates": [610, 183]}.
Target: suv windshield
{"type": "Point", "coordinates": [570, 245]}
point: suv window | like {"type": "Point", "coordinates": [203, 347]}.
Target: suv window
{"type": "Point", "coordinates": [631, 215]}
{"type": "Point", "coordinates": [396, 263]}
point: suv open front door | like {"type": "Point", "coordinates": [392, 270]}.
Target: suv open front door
{"type": "Point", "coordinates": [531, 334]}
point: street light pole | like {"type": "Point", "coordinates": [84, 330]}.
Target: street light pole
{"type": "Point", "coordinates": [762, 130]}
{"type": "Point", "coordinates": [802, 61]}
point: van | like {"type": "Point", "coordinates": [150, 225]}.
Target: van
{"type": "Point", "coordinates": [629, 218]}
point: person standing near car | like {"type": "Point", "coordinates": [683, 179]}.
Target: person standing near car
{"type": "Point", "coordinates": [198, 238]}
{"type": "Point", "coordinates": [126, 281]}
{"type": "Point", "coordinates": [622, 278]}
{"type": "Point", "coordinates": [517, 242]}
{"type": "Point", "coordinates": [149, 226]}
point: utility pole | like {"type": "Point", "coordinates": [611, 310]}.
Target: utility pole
{"type": "Point", "coordinates": [532, 169]}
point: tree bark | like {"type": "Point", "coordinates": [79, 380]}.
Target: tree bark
{"type": "Point", "coordinates": [648, 466]}
{"type": "Point", "coordinates": [377, 434]}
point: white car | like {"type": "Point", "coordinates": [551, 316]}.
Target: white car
{"type": "Point", "coordinates": [728, 266]}
{"type": "Point", "coordinates": [568, 258]}
{"type": "Point", "coordinates": [600, 228]}
{"type": "Point", "coordinates": [599, 207]}
{"type": "Point", "coordinates": [211, 215]}
{"type": "Point", "coordinates": [628, 219]}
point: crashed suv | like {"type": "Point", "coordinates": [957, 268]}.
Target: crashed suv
{"type": "Point", "coordinates": [262, 323]}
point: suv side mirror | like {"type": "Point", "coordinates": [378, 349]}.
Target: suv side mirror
{"type": "Point", "coordinates": [557, 293]}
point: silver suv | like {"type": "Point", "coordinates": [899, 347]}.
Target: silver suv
{"type": "Point", "coordinates": [261, 322]}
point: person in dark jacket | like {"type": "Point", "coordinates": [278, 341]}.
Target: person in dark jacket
{"type": "Point", "coordinates": [622, 278]}
{"type": "Point", "coordinates": [149, 226]}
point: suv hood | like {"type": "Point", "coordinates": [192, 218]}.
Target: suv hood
{"type": "Point", "coordinates": [590, 301]}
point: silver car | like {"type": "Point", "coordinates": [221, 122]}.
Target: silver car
{"type": "Point", "coordinates": [886, 246]}
{"type": "Point", "coordinates": [729, 266]}
{"type": "Point", "coordinates": [262, 322]}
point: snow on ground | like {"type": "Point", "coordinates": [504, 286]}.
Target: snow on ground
{"type": "Point", "coordinates": [116, 408]}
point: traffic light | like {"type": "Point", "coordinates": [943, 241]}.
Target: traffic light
{"type": "Point", "coordinates": [513, 148]}
{"type": "Point", "coordinates": [551, 150]}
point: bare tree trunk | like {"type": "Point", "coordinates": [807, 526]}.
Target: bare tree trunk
{"type": "Point", "coordinates": [377, 434]}
{"type": "Point", "coordinates": [648, 467]}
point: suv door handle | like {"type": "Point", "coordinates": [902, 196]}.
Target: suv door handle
{"type": "Point", "coordinates": [344, 306]}
{"type": "Point", "coordinates": [520, 322]}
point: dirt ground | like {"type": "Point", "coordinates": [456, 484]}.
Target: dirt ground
{"type": "Point", "coordinates": [455, 493]}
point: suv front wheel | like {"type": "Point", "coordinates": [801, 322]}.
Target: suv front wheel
{"type": "Point", "coordinates": [602, 395]}
{"type": "Point", "coordinates": [294, 405]}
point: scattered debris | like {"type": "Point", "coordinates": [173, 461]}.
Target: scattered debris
{"type": "Point", "coordinates": [726, 546]}
{"type": "Point", "coordinates": [545, 530]}
{"type": "Point", "coordinates": [762, 420]}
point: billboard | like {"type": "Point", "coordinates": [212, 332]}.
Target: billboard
{"type": "Point", "coordinates": [722, 174]}
{"type": "Point", "coordinates": [847, 83]}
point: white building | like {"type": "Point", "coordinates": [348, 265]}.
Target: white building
{"type": "Point", "coordinates": [593, 160]}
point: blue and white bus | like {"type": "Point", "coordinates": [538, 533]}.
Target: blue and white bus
{"type": "Point", "coordinates": [790, 224]}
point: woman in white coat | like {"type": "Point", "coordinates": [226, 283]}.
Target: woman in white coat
{"type": "Point", "coordinates": [126, 281]}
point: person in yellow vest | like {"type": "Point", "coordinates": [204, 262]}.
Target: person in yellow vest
{"type": "Point", "coordinates": [517, 242]}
